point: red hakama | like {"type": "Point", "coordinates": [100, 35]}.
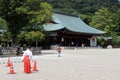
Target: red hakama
{"type": "Point", "coordinates": [27, 67]}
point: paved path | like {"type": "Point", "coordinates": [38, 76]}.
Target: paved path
{"type": "Point", "coordinates": [82, 64]}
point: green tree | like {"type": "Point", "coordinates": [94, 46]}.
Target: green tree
{"type": "Point", "coordinates": [22, 13]}
{"type": "Point", "coordinates": [34, 36]}
{"type": "Point", "coordinates": [102, 42]}
{"type": "Point", "coordinates": [85, 18]}
{"type": "Point", "coordinates": [83, 6]}
{"type": "Point", "coordinates": [116, 18]}
{"type": "Point", "coordinates": [116, 40]}
{"type": "Point", "coordinates": [8, 12]}
{"type": "Point", "coordinates": [103, 20]}
{"type": "Point", "coordinates": [3, 24]}
{"type": "Point", "coordinates": [5, 38]}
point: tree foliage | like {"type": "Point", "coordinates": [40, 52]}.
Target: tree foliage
{"type": "Point", "coordinates": [5, 39]}
{"type": "Point", "coordinates": [116, 19]}
{"type": "Point", "coordinates": [116, 40]}
{"type": "Point", "coordinates": [34, 36]}
{"type": "Point", "coordinates": [3, 24]}
{"type": "Point", "coordinates": [22, 13]}
{"type": "Point", "coordinates": [83, 6]}
{"type": "Point", "coordinates": [103, 20]}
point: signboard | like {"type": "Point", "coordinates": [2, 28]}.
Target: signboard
{"type": "Point", "coordinates": [93, 41]}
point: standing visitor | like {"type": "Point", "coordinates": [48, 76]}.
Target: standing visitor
{"type": "Point", "coordinates": [26, 58]}
{"type": "Point", "coordinates": [18, 51]}
{"type": "Point", "coordinates": [0, 51]}
{"type": "Point", "coordinates": [59, 51]}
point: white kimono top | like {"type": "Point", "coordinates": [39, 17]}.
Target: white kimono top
{"type": "Point", "coordinates": [27, 52]}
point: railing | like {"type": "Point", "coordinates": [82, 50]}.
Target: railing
{"type": "Point", "coordinates": [12, 51]}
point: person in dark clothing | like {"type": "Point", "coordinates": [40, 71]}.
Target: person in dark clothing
{"type": "Point", "coordinates": [0, 51]}
{"type": "Point", "coordinates": [18, 51]}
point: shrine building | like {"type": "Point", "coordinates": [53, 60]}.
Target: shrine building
{"type": "Point", "coordinates": [69, 30]}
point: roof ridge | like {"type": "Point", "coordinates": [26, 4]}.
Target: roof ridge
{"type": "Point", "coordinates": [65, 13]}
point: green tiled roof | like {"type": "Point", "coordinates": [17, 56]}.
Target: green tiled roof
{"type": "Point", "coordinates": [71, 23]}
{"type": "Point", "coordinates": [52, 27]}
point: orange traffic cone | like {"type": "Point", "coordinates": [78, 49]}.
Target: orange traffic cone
{"type": "Point", "coordinates": [8, 63]}
{"type": "Point", "coordinates": [35, 66]}
{"type": "Point", "coordinates": [11, 69]}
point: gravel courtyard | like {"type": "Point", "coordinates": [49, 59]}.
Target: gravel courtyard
{"type": "Point", "coordinates": [78, 64]}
